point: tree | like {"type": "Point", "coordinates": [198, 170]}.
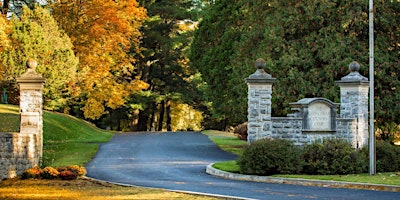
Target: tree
{"type": "Point", "coordinates": [106, 36]}
{"type": "Point", "coordinates": [5, 29]}
{"type": "Point", "coordinates": [36, 35]}
{"type": "Point", "coordinates": [308, 46]}
{"type": "Point", "coordinates": [211, 54]}
{"type": "Point", "coordinates": [167, 34]}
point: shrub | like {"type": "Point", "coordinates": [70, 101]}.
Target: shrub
{"type": "Point", "coordinates": [241, 131]}
{"type": "Point", "coordinates": [268, 157]}
{"type": "Point", "coordinates": [333, 156]}
{"type": "Point", "coordinates": [49, 173]}
{"type": "Point", "coordinates": [387, 157]}
{"type": "Point", "coordinates": [32, 173]}
{"type": "Point", "coordinates": [68, 175]}
{"type": "Point", "coordinates": [71, 172]}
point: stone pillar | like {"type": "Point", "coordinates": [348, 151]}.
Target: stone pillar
{"type": "Point", "coordinates": [31, 107]}
{"type": "Point", "coordinates": [354, 103]}
{"type": "Point", "coordinates": [259, 103]}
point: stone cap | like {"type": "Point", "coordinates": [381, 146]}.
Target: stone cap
{"type": "Point", "coordinates": [260, 76]}
{"type": "Point", "coordinates": [354, 76]}
{"type": "Point", "coordinates": [31, 76]}
{"type": "Point", "coordinates": [305, 102]}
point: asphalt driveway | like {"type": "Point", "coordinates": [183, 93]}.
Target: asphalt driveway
{"type": "Point", "coordinates": [177, 161]}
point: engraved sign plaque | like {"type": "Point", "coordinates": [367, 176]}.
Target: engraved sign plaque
{"type": "Point", "coordinates": [319, 116]}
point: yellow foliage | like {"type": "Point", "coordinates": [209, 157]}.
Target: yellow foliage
{"type": "Point", "coordinates": [185, 117]}
{"type": "Point", "coordinates": [103, 35]}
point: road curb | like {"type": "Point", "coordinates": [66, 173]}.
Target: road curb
{"type": "Point", "coordinates": [296, 181]}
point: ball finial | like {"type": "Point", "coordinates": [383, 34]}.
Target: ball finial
{"type": "Point", "coordinates": [354, 66]}
{"type": "Point", "coordinates": [260, 63]}
{"type": "Point", "coordinates": [31, 63]}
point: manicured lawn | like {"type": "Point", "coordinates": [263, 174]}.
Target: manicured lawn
{"type": "Point", "coordinates": [226, 141]}
{"type": "Point", "coordinates": [9, 118]}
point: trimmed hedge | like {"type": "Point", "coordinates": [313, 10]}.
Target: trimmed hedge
{"type": "Point", "coordinates": [333, 156]}
{"type": "Point", "coordinates": [268, 157]}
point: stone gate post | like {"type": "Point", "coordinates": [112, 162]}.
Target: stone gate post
{"type": "Point", "coordinates": [31, 109]}
{"type": "Point", "coordinates": [259, 103]}
{"type": "Point", "coordinates": [354, 103]}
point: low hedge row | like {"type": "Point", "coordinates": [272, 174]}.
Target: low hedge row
{"type": "Point", "coordinates": [64, 173]}
{"type": "Point", "coordinates": [333, 156]}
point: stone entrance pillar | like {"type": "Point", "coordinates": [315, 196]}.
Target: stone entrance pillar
{"type": "Point", "coordinates": [31, 108]}
{"type": "Point", "coordinates": [259, 103]}
{"type": "Point", "coordinates": [354, 103]}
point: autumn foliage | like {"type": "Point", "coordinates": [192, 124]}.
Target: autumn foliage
{"type": "Point", "coordinates": [106, 38]}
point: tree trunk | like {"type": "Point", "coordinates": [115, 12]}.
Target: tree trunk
{"type": "Point", "coordinates": [5, 7]}
{"type": "Point", "coordinates": [135, 121]}
{"type": "Point", "coordinates": [161, 118]}
{"type": "Point", "coordinates": [168, 113]}
{"type": "Point", "coordinates": [143, 119]}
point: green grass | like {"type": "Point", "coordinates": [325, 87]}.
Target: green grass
{"type": "Point", "coordinates": [227, 142]}
{"type": "Point", "coordinates": [9, 118]}
{"type": "Point", "coordinates": [66, 139]}
{"type": "Point", "coordinates": [69, 141]}
{"type": "Point", "coordinates": [389, 178]}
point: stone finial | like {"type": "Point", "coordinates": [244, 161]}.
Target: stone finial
{"type": "Point", "coordinates": [260, 74]}
{"type": "Point", "coordinates": [31, 74]}
{"type": "Point", "coordinates": [260, 63]}
{"type": "Point", "coordinates": [31, 64]}
{"type": "Point", "coordinates": [354, 75]}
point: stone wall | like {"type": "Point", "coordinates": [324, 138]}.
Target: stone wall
{"type": "Point", "coordinates": [17, 153]}
{"type": "Point", "coordinates": [314, 119]}
{"type": "Point", "coordinates": [23, 150]}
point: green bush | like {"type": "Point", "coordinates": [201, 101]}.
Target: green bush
{"type": "Point", "coordinates": [268, 157]}
{"type": "Point", "coordinates": [333, 156]}
{"type": "Point", "coordinates": [387, 157]}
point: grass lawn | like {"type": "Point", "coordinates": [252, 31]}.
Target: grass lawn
{"type": "Point", "coordinates": [82, 189]}
{"type": "Point", "coordinates": [228, 142]}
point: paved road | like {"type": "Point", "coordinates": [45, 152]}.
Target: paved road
{"type": "Point", "coordinates": [177, 161]}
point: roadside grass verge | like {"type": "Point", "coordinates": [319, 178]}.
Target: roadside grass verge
{"type": "Point", "coordinates": [83, 189]}
{"type": "Point", "coordinates": [227, 142]}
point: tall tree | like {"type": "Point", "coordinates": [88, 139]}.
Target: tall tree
{"type": "Point", "coordinates": [36, 35]}
{"type": "Point", "coordinates": [211, 54]}
{"type": "Point", "coordinates": [106, 36]}
{"type": "Point", "coordinates": [307, 45]}
{"type": "Point", "coordinates": [164, 65]}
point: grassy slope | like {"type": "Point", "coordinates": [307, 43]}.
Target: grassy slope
{"type": "Point", "coordinates": [66, 140]}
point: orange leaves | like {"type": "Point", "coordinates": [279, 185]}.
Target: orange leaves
{"type": "Point", "coordinates": [103, 33]}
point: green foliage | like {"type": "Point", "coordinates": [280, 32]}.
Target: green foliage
{"type": "Point", "coordinates": [268, 157]}
{"type": "Point", "coordinates": [333, 157]}
{"type": "Point", "coordinates": [307, 45]}
{"type": "Point", "coordinates": [35, 34]}
{"type": "Point", "coordinates": [387, 156]}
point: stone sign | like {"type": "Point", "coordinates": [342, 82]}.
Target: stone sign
{"type": "Point", "coordinates": [319, 116]}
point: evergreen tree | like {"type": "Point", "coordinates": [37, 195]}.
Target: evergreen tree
{"type": "Point", "coordinates": [307, 45]}
{"type": "Point", "coordinates": [36, 35]}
